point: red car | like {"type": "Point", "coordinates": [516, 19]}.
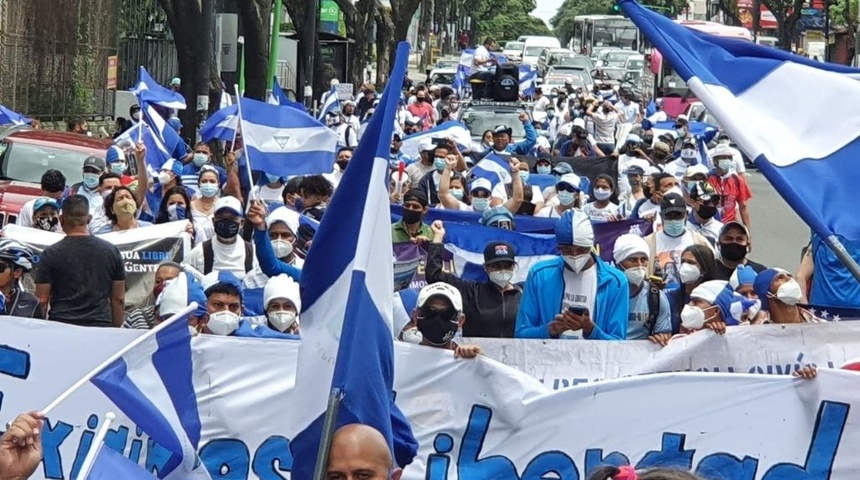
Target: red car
{"type": "Point", "coordinates": [26, 154]}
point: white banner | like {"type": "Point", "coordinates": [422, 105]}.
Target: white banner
{"type": "Point", "coordinates": [768, 349]}
{"type": "Point", "coordinates": [474, 419]}
{"type": "Point", "coordinates": [142, 249]}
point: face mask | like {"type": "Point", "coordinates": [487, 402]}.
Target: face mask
{"type": "Point", "coordinates": [437, 327]}
{"type": "Point", "coordinates": [636, 275]}
{"type": "Point", "coordinates": [164, 178]}
{"type": "Point", "coordinates": [224, 322]}
{"type": "Point", "coordinates": [125, 207]}
{"type": "Point", "coordinates": [689, 273]}
{"type": "Point", "coordinates": [754, 309]}
{"type": "Point", "coordinates": [602, 193]}
{"type": "Point", "coordinates": [456, 193]}
{"type": "Point", "coordinates": [566, 198]}
{"type": "Point", "coordinates": [725, 165]}
{"type": "Point", "coordinates": [175, 212]}
{"type": "Point", "coordinates": [577, 262]}
{"type": "Point", "coordinates": [412, 335]}
{"type": "Point", "coordinates": [282, 248]}
{"type": "Point", "coordinates": [681, 132]}
{"type": "Point", "coordinates": [342, 164]}
{"type": "Point", "coordinates": [106, 193]}
{"type": "Point", "coordinates": [550, 114]}
{"type": "Point", "coordinates": [209, 190]}
{"type": "Point", "coordinates": [501, 277]}
{"type": "Point", "coordinates": [524, 175]}
{"type": "Point", "coordinates": [282, 320]}
{"type": "Point", "coordinates": [47, 224]}
{"type": "Point", "coordinates": [91, 180]}
{"type": "Point", "coordinates": [200, 159]}
{"type": "Point", "coordinates": [439, 163]}
{"type": "Point", "coordinates": [226, 228]}
{"type": "Point", "coordinates": [706, 212]}
{"type": "Point", "coordinates": [789, 292]}
{"type": "Point", "coordinates": [544, 170]}
{"type": "Point", "coordinates": [688, 155]}
{"type": "Point", "coordinates": [136, 116]}
{"type": "Point", "coordinates": [272, 178]}
{"type": "Point", "coordinates": [733, 252]}
{"type": "Point", "coordinates": [480, 204]}
{"type": "Point", "coordinates": [118, 167]}
{"type": "Point", "coordinates": [693, 317]}
{"type": "Point", "coordinates": [411, 217]}
{"type": "Point", "coordinates": [674, 228]}
{"type": "Point", "coordinates": [634, 183]}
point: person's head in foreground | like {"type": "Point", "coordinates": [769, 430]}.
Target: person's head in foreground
{"type": "Point", "coordinates": [630, 473]}
{"type": "Point", "coordinates": [360, 452]}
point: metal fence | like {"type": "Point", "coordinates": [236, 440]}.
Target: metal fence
{"type": "Point", "coordinates": [54, 55]}
{"type": "Point", "coordinates": [145, 40]}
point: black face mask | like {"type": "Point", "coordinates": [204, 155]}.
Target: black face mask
{"type": "Point", "coordinates": [437, 326]}
{"type": "Point", "coordinates": [226, 228]}
{"type": "Point", "coordinates": [706, 212]}
{"type": "Point", "coordinates": [733, 252]}
{"type": "Point", "coordinates": [342, 164]}
{"type": "Point", "coordinates": [411, 217]}
{"type": "Point", "coordinates": [394, 150]}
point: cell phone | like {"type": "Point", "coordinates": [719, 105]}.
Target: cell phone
{"type": "Point", "coordinates": [576, 310]}
{"type": "Point", "coordinates": [655, 279]}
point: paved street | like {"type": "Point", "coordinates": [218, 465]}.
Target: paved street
{"type": "Point", "coordinates": [778, 233]}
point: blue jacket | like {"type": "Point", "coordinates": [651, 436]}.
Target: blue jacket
{"type": "Point", "coordinates": [523, 147]}
{"type": "Point", "coordinates": [542, 296]}
{"type": "Point", "coordinates": [271, 265]}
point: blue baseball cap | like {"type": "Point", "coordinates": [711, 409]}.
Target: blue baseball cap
{"type": "Point", "coordinates": [43, 202]}
{"type": "Point", "coordinates": [574, 228]}
{"type": "Point", "coordinates": [496, 214]}
{"type": "Point", "coordinates": [114, 154]}
{"type": "Point", "coordinates": [173, 165]}
{"type": "Point", "coordinates": [223, 277]}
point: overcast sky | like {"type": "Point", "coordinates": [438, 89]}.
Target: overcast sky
{"type": "Point", "coordinates": [546, 9]}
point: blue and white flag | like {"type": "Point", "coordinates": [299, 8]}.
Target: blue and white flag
{"type": "Point", "coordinates": [279, 97]}
{"type": "Point", "coordinates": [152, 385]}
{"type": "Point", "coordinates": [449, 129]}
{"type": "Point", "coordinates": [702, 132]}
{"type": "Point", "coordinates": [167, 135]}
{"type": "Point", "coordinates": [8, 116]}
{"type": "Point", "coordinates": [528, 80]}
{"type": "Point", "coordinates": [812, 137]}
{"type": "Point", "coordinates": [112, 465]}
{"type": "Point", "coordinates": [285, 141]}
{"type": "Point", "coordinates": [347, 338]}
{"type": "Point", "coordinates": [493, 167]}
{"type": "Point", "coordinates": [331, 102]}
{"type": "Point", "coordinates": [148, 90]}
{"type": "Point", "coordinates": [221, 125]}
{"type": "Point", "coordinates": [464, 70]}
{"type": "Point", "coordinates": [156, 153]}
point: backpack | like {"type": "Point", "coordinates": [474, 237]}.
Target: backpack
{"type": "Point", "coordinates": [209, 256]}
{"type": "Point", "coordinates": [653, 308]}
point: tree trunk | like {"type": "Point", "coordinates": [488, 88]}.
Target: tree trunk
{"type": "Point", "coordinates": [384, 40]}
{"type": "Point", "coordinates": [255, 15]}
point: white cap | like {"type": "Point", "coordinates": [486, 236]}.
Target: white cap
{"type": "Point", "coordinates": [628, 245]}
{"type": "Point", "coordinates": [334, 82]}
{"type": "Point", "coordinates": [440, 288]}
{"type": "Point", "coordinates": [282, 286]}
{"type": "Point", "coordinates": [696, 169]}
{"type": "Point", "coordinates": [571, 179]}
{"type": "Point", "coordinates": [228, 202]}
{"type": "Point", "coordinates": [426, 144]}
{"type": "Point", "coordinates": [722, 150]}
{"type": "Point", "coordinates": [579, 122]}
{"type": "Point", "coordinates": [283, 214]}
{"type": "Point", "coordinates": [481, 183]}
{"type": "Point", "coordinates": [173, 297]}
{"type": "Point", "coordinates": [709, 290]}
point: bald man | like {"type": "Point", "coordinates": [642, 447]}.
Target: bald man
{"type": "Point", "coordinates": [360, 452]}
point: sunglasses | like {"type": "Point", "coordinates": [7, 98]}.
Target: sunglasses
{"type": "Point", "coordinates": [564, 187]}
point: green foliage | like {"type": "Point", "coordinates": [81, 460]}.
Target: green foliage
{"type": "Point", "coordinates": [844, 13]}
{"type": "Point", "coordinates": [504, 19]}
{"type": "Point", "coordinates": [562, 22]}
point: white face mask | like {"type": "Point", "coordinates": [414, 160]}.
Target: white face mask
{"type": "Point", "coordinates": [282, 320]}
{"type": "Point", "coordinates": [577, 262]}
{"type": "Point", "coordinates": [602, 193]}
{"type": "Point", "coordinates": [412, 336]}
{"type": "Point", "coordinates": [754, 309]}
{"type": "Point", "coordinates": [224, 322]}
{"type": "Point", "coordinates": [693, 317]}
{"type": "Point", "coordinates": [725, 165]}
{"type": "Point", "coordinates": [689, 273]}
{"type": "Point", "coordinates": [282, 248]}
{"type": "Point", "coordinates": [789, 292]}
{"type": "Point", "coordinates": [501, 277]}
{"type": "Point", "coordinates": [636, 275]}
{"type": "Point", "coordinates": [163, 178]}
{"type": "Point", "coordinates": [136, 116]}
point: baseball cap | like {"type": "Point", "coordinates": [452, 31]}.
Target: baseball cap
{"type": "Point", "coordinates": [735, 224]}
{"type": "Point", "coordinates": [175, 81]}
{"type": "Point", "coordinates": [172, 165]}
{"type": "Point", "coordinates": [114, 154]}
{"type": "Point", "coordinates": [396, 137]}
{"type": "Point", "coordinates": [288, 217]}
{"type": "Point", "coordinates": [441, 289]}
{"type": "Point", "coordinates": [499, 129]}
{"type": "Point", "coordinates": [426, 145]}
{"type": "Point", "coordinates": [579, 122]}
{"type": "Point", "coordinates": [672, 202]}
{"type": "Point", "coordinates": [571, 179]}
{"type": "Point", "coordinates": [689, 142]}
{"type": "Point", "coordinates": [562, 168]}
{"type": "Point", "coordinates": [633, 138]}
{"type": "Point", "coordinates": [94, 162]}
{"type": "Point", "coordinates": [722, 150]}
{"type": "Point", "coordinates": [416, 195]}
{"type": "Point", "coordinates": [574, 228]}
{"type": "Point", "coordinates": [43, 202]}
{"type": "Point", "coordinates": [634, 170]}
{"type": "Point", "coordinates": [219, 277]}
{"type": "Point", "coordinates": [496, 214]}
{"type": "Point", "coordinates": [496, 252]}
{"type": "Point", "coordinates": [697, 169]}
{"type": "Point", "coordinates": [481, 184]}
{"type": "Point", "coordinates": [702, 191]}
{"type": "Point", "coordinates": [228, 202]}
{"type": "Point", "coordinates": [662, 147]}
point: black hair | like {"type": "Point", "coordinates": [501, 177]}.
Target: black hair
{"type": "Point", "coordinates": [613, 198]}
{"type": "Point", "coordinates": [224, 288]}
{"type": "Point", "coordinates": [200, 175]}
{"type": "Point", "coordinates": [659, 177]}
{"type": "Point", "coordinates": [607, 472]}
{"type": "Point", "coordinates": [705, 258]}
{"type": "Point", "coordinates": [53, 181]}
{"type": "Point", "coordinates": [75, 210]}
{"type": "Point", "coordinates": [108, 176]}
{"type": "Point", "coordinates": [76, 122]}
{"type": "Point", "coordinates": [108, 204]}
{"type": "Point", "coordinates": [316, 185]}
{"type": "Point", "coordinates": [162, 216]}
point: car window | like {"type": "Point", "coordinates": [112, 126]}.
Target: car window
{"type": "Point", "coordinates": [514, 46]}
{"type": "Point", "coordinates": [533, 51]}
{"type": "Point", "coordinates": [443, 78]}
{"type": "Point", "coordinates": [479, 121]}
{"type": "Point", "coordinates": [26, 162]}
{"type": "Point", "coordinates": [635, 64]}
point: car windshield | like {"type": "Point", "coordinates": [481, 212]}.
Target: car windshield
{"type": "Point", "coordinates": [514, 46]}
{"type": "Point", "coordinates": [558, 81]}
{"type": "Point", "coordinates": [533, 51]}
{"type": "Point", "coordinates": [443, 78]}
{"type": "Point", "coordinates": [27, 162]}
{"type": "Point", "coordinates": [617, 59]}
{"type": "Point", "coordinates": [613, 74]}
{"type": "Point", "coordinates": [479, 121]}
{"type": "Point", "coordinates": [572, 61]}
{"type": "Point", "coordinates": [635, 64]}
{"type": "Point", "coordinates": [446, 64]}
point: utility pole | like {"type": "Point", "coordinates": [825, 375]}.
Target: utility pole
{"type": "Point", "coordinates": [827, 31]}
{"type": "Point", "coordinates": [273, 45]}
{"type": "Point", "coordinates": [308, 42]}
{"type": "Point", "coordinates": [204, 59]}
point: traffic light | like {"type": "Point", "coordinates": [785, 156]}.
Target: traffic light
{"type": "Point", "coordinates": [616, 8]}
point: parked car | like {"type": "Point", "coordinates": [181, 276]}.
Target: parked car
{"type": "Point", "coordinates": [617, 58]}
{"type": "Point", "coordinates": [546, 57]}
{"type": "Point", "coordinates": [556, 76]}
{"type": "Point", "coordinates": [444, 77]}
{"type": "Point", "coordinates": [513, 51]}
{"type": "Point", "coordinates": [26, 154]}
{"type": "Point", "coordinates": [480, 116]}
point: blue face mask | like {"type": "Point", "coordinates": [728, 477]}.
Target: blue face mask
{"type": "Point", "coordinates": [91, 180]}
{"type": "Point", "coordinates": [480, 204]}
{"type": "Point", "coordinates": [566, 198]}
{"type": "Point", "coordinates": [439, 163]}
{"type": "Point", "coordinates": [200, 159]}
{"type": "Point", "coordinates": [524, 175]}
{"type": "Point", "coordinates": [118, 167]}
{"type": "Point", "coordinates": [273, 178]}
{"type": "Point", "coordinates": [674, 228]}
{"type": "Point", "coordinates": [544, 169]}
{"type": "Point", "coordinates": [456, 193]}
{"type": "Point", "coordinates": [176, 212]}
{"type": "Point", "coordinates": [209, 190]}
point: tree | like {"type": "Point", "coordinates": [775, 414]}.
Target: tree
{"type": "Point", "coordinates": [562, 22]}
{"type": "Point", "coordinates": [358, 17]}
{"type": "Point", "coordinates": [503, 19]}
{"type": "Point", "coordinates": [843, 13]}
{"type": "Point", "coordinates": [255, 16]}
{"type": "Point", "coordinates": [786, 13]}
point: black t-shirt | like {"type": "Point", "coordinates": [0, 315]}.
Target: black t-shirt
{"type": "Point", "coordinates": [81, 271]}
{"type": "Point", "coordinates": [725, 273]}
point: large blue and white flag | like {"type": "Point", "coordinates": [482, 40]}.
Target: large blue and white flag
{"type": "Point", "coordinates": [167, 135]}
{"type": "Point", "coordinates": [493, 167]}
{"type": "Point", "coordinates": [279, 97]}
{"type": "Point", "coordinates": [761, 96]}
{"type": "Point", "coordinates": [221, 125]}
{"type": "Point", "coordinates": [285, 141]}
{"type": "Point", "coordinates": [148, 90]}
{"type": "Point", "coordinates": [9, 116]}
{"type": "Point", "coordinates": [528, 80]}
{"type": "Point", "coordinates": [112, 465]}
{"type": "Point", "coordinates": [464, 70]}
{"type": "Point", "coordinates": [152, 385]}
{"type": "Point", "coordinates": [156, 152]}
{"type": "Point", "coordinates": [331, 102]}
{"type": "Point", "coordinates": [347, 338]}
{"type": "Point", "coordinates": [450, 129]}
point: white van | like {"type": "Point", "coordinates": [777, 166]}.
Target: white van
{"type": "Point", "coordinates": [533, 46]}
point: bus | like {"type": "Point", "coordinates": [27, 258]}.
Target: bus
{"type": "Point", "coordinates": [668, 84]}
{"type": "Point", "coordinates": [603, 31]}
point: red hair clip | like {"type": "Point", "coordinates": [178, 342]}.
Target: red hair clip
{"type": "Point", "coordinates": [625, 473]}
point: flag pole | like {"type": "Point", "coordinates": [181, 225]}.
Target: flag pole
{"type": "Point", "coordinates": [247, 153]}
{"type": "Point", "coordinates": [116, 356]}
{"type": "Point", "coordinates": [96, 446]}
{"type": "Point", "coordinates": [329, 422]}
